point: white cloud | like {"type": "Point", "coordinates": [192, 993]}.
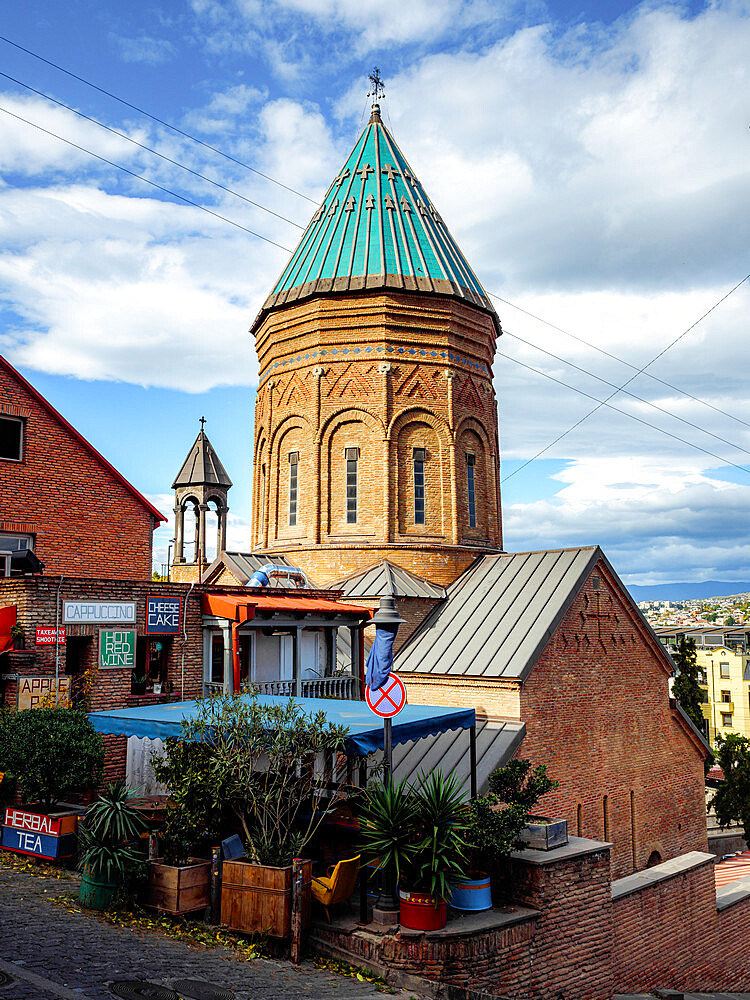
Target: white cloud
{"type": "Point", "coordinates": [145, 49]}
{"type": "Point", "coordinates": [223, 109]}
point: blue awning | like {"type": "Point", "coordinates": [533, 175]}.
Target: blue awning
{"type": "Point", "coordinates": [365, 728]}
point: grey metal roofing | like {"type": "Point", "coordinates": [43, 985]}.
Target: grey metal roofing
{"type": "Point", "coordinates": [202, 466]}
{"type": "Point", "coordinates": [384, 578]}
{"type": "Point", "coordinates": [499, 614]}
{"type": "Point", "coordinates": [244, 564]}
{"type": "Point", "coordinates": [496, 744]}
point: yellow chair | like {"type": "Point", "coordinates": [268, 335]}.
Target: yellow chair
{"type": "Point", "coordinates": [337, 886]}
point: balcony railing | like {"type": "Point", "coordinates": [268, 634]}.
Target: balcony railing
{"type": "Point", "coordinates": [344, 686]}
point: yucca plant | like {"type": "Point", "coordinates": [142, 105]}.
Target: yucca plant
{"type": "Point", "coordinates": [442, 818]}
{"type": "Point", "coordinates": [108, 835]}
{"type": "Point", "coordinates": [387, 826]}
{"type": "Point", "coordinates": [419, 831]}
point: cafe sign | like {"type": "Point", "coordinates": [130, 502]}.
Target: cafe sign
{"type": "Point", "coordinates": [116, 648]}
{"type": "Point", "coordinates": [99, 612]}
{"type": "Point", "coordinates": [39, 691]}
{"type": "Point", "coordinates": [163, 615]}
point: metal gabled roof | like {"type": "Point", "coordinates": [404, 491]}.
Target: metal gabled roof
{"type": "Point", "coordinates": [385, 578]}
{"type": "Point", "coordinates": [202, 466]}
{"type": "Point", "coordinates": [243, 564]}
{"type": "Point", "coordinates": [377, 228]}
{"type": "Point", "coordinates": [496, 743]}
{"type": "Point", "coordinates": [499, 614]}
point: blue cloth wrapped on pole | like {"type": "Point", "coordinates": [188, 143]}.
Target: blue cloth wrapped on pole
{"type": "Point", "coordinates": [380, 658]}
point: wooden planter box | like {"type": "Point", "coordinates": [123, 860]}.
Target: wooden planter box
{"type": "Point", "coordinates": [545, 834]}
{"type": "Point", "coordinates": [179, 889]}
{"type": "Point", "coordinates": [258, 900]}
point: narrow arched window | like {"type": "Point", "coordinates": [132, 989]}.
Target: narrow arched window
{"type": "Point", "coordinates": [579, 820]}
{"type": "Point", "coordinates": [352, 463]}
{"type": "Point", "coordinates": [293, 483]}
{"type": "Point", "coordinates": [419, 495]}
{"type": "Point", "coordinates": [261, 519]}
{"type": "Point", "coordinates": [470, 463]}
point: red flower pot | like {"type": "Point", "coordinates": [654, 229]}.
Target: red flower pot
{"type": "Point", "coordinates": [420, 912]}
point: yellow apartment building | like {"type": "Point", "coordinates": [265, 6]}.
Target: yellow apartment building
{"type": "Point", "coordinates": [724, 666]}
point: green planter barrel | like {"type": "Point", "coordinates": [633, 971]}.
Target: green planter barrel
{"type": "Point", "coordinates": [96, 895]}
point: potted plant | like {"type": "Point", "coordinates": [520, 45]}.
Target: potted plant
{"type": "Point", "coordinates": [420, 832]}
{"type": "Point", "coordinates": [179, 880]}
{"type": "Point", "coordinates": [18, 636]}
{"type": "Point", "coordinates": [49, 751]}
{"type": "Point", "coordinates": [262, 764]}
{"type": "Point", "coordinates": [496, 823]}
{"type": "Point", "coordinates": [108, 846]}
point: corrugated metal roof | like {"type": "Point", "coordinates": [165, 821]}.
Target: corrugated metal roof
{"type": "Point", "coordinates": [384, 578]}
{"type": "Point", "coordinates": [498, 615]}
{"type": "Point", "coordinates": [242, 565]}
{"type": "Point", "coordinates": [496, 744]}
{"type": "Point", "coordinates": [377, 228]}
{"type": "Point", "coordinates": [202, 466]}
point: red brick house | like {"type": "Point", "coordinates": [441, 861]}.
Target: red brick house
{"type": "Point", "coordinates": [61, 499]}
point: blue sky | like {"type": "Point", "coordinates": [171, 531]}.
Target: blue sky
{"type": "Point", "coordinates": [590, 160]}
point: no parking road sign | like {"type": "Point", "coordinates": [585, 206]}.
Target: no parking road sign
{"type": "Point", "coordinates": [388, 700]}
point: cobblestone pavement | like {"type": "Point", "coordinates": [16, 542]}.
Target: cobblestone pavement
{"type": "Point", "coordinates": [51, 953]}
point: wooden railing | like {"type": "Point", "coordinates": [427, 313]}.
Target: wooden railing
{"type": "Point", "coordinates": [343, 686]}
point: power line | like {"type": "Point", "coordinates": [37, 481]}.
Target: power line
{"type": "Point", "coordinates": [141, 111]}
{"type": "Point", "coordinates": [148, 149]}
{"type": "Point", "coordinates": [140, 177]}
{"type": "Point", "coordinates": [605, 402]}
{"type": "Point", "coordinates": [613, 385]}
{"type": "Point", "coordinates": [622, 361]}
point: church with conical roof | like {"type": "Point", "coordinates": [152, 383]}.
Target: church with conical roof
{"type": "Point", "coordinates": [376, 424]}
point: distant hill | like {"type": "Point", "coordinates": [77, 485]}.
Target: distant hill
{"type": "Point", "coordinates": [688, 591]}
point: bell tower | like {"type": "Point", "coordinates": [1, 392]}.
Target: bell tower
{"type": "Point", "coordinates": [376, 426]}
{"type": "Point", "coordinates": [202, 480]}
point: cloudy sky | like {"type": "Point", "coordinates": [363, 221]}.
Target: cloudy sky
{"type": "Point", "coordinates": [590, 158]}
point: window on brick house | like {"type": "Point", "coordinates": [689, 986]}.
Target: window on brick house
{"type": "Point", "coordinates": [724, 670]}
{"type": "Point", "coordinates": [352, 463]}
{"type": "Point", "coordinates": [149, 675]}
{"type": "Point", "coordinates": [605, 812]}
{"type": "Point", "coordinates": [419, 497]}
{"type": "Point", "coordinates": [470, 463]}
{"type": "Point", "coordinates": [293, 481]}
{"type": "Point", "coordinates": [726, 695]}
{"type": "Point", "coordinates": [11, 438]}
{"type": "Point", "coordinates": [726, 720]}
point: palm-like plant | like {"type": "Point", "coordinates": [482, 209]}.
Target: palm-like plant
{"type": "Point", "coordinates": [442, 819]}
{"type": "Point", "coordinates": [417, 831]}
{"type": "Point", "coordinates": [111, 826]}
{"type": "Point", "coordinates": [387, 826]}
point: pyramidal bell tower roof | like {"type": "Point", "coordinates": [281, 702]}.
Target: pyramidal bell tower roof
{"type": "Point", "coordinates": [377, 228]}
{"type": "Point", "coordinates": [202, 466]}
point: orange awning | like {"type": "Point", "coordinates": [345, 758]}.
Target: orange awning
{"type": "Point", "coordinates": [7, 621]}
{"type": "Point", "coordinates": [242, 607]}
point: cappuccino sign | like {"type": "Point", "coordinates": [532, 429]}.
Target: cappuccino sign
{"type": "Point", "coordinates": [99, 612]}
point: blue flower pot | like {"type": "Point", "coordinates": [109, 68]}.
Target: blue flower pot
{"type": "Point", "coordinates": [472, 894]}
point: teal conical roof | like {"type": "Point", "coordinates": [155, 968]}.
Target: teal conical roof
{"type": "Point", "coordinates": [377, 228]}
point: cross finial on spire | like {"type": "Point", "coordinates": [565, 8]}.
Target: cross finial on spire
{"type": "Point", "coordinates": [203, 420]}
{"type": "Point", "coordinates": [377, 90]}
{"type": "Point", "coordinates": [378, 87]}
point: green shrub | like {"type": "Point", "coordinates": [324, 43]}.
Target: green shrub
{"type": "Point", "coordinates": [497, 819]}
{"type": "Point", "coordinates": [51, 751]}
{"type": "Point", "coordinates": [193, 815]}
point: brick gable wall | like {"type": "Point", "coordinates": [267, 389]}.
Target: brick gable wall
{"type": "Point", "coordinates": [596, 707]}
{"type": "Point", "coordinates": [86, 523]}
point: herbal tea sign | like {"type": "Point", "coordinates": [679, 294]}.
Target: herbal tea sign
{"type": "Point", "coordinates": [116, 648]}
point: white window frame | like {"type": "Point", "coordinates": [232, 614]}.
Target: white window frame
{"type": "Point", "coordinates": [17, 420]}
